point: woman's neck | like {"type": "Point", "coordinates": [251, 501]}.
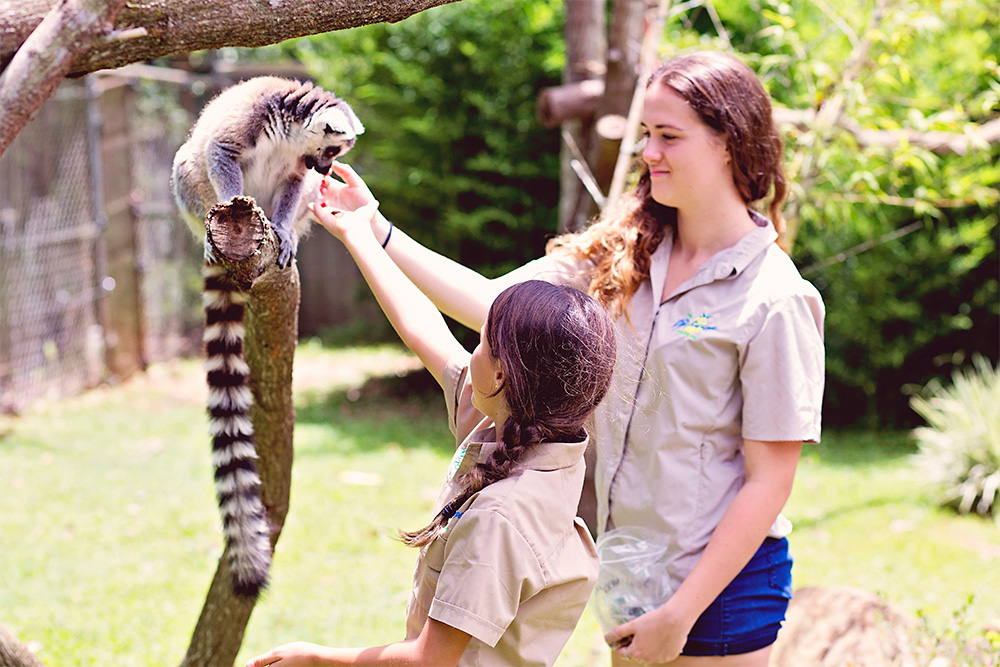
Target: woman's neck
{"type": "Point", "coordinates": [711, 228]}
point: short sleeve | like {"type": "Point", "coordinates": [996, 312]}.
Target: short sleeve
{"type": "Point", "coordinates": [557, 268]}
{"type": "Point", "coordinates": [489, 569]}
{"type": "Point", "coordinates": [782, 371]}
{"type": "Point", "coordinates": [463, 417]}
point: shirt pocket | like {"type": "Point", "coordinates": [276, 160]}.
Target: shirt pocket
{"type": "Point", "coordinates": [434, 554]}
{"type": "Point", "coordinates": [428, 573]}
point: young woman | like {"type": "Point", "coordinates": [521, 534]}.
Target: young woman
{"type": "Point", "coordinates": [719, 377]}
{"type": "Point", "coordinates": [505, 569]}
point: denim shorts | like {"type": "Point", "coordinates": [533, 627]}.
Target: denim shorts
{"type": "Point", "coordinates": [747, 615]}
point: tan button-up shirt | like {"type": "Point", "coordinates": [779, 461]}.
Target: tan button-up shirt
{"type": "Point", "coordinates": [515, 568]}
{"type": "Point", "coordinates": [735, 352]}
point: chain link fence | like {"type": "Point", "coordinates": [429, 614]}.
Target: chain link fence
{"type": "Point", "coordinates": [97, 275]}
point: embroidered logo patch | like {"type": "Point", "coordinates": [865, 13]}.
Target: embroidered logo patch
{"type": "Point", "coordinates": [691, 326]}
{"type": "Point", "coordinates": [456, 461]}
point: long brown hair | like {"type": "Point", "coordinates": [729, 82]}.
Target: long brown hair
{"type": "Point", "coordinates": [556, 347]}
{"type": "Point", "coordinates": [729, 98]}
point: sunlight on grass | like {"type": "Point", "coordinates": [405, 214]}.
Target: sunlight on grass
{"type": "Point", "coordinates": [863, 518]}
{"type": "Point", "coordinates": [111, 528]}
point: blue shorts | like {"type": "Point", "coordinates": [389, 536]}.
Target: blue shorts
{"type": "Point", "coordinates": [748, 613]}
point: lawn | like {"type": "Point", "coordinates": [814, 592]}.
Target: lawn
{"type": "Point", "coordinates": [111, 532]}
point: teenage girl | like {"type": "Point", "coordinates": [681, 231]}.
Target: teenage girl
{"type": "Point", "coordinates": [505, 570]}
{"type": "Point", "coordinates": [720, 370]}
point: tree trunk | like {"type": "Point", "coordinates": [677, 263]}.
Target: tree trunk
{"type": "Point", "coordinates": [247, 248]}
{"type": "Point", "coordinates": [624, 41]}
{"type": "Point", "coordinates": [585, 53]}
{"type": "Point", "coordinates": [82, 36]}
{"type": "Point", "coordinates": [15, 654]}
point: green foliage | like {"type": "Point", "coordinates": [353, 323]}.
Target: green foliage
{"type": "Point", "coordinates": [902, 308]}
{"type": "Point", "coordinates": [959, 644]}
{"type": "Point", "coordinates": [960, 446]}
{"type": "Point", "coordinates": [453, 148]}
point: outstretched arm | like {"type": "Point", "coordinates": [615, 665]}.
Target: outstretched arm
{"type": "Point", "coordinates": [412, 315]}
{"type": "Point", "coordinates": [439, 645]}
{"type": "Point", "coordinates": [457, 291]}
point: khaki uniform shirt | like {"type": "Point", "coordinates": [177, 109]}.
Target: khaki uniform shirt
{"type": "Point", "coordinates": [514, 568]}
{"type": "Point", "coordinates": [735, 352]}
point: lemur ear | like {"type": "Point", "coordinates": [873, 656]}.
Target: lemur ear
{"type": "Point", "coordinates": [353, 118]}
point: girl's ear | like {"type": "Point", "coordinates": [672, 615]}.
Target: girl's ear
{"type": "Point", "coordinates": [497, 378]}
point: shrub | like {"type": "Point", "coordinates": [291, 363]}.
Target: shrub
{"type": "Point", "coordinates": [959, 449]}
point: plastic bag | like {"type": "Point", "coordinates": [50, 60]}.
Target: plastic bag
{"type": "Point", "coordinates": [633, 577]}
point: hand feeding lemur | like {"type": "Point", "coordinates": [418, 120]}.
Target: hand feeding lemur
{"type": "Point", "coordinates": [271, 139]}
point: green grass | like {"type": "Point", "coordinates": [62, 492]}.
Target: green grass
{"type": "Point", "coordinates": [110, 531]}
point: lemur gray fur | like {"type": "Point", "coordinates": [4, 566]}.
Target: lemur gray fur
{"type": "Point", "coordinates": [271, 139]}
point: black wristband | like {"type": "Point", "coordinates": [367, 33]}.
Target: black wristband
{"type": "Point", "coordinates": [387, 236]}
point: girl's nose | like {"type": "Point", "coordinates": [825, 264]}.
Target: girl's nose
{"type": "Point", "coordinates": [650, 153]}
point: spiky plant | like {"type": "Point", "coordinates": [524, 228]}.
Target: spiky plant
{"type": "Point", "coordinates": [959, 449]}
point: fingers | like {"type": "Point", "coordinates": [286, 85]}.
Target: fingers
{"type": "Point", "coordinates": [347, 174]}
{"type": "Point", "coordinates": [619, 637]}
{"type": "Point", "coordinates": [263, 660]}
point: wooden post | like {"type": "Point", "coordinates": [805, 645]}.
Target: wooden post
{"type": "Point", "coordinates": [121, 280]}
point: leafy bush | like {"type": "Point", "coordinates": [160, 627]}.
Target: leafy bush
{"type": "Point", "coordinates": [453, 147]}
{"type": "Point", "coordinates": [960, 446]}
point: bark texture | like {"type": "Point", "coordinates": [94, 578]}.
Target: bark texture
{"type": "Point", "coordinates": [182, 26]}
{"type": "Point", "coordinates": [15, 654]}
{"type": "Point", "coordinates": [247, 248]}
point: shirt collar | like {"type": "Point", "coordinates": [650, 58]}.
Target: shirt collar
{"type": "Point", "coordinates": [725, 263]}
{"type": "Point", "coordinates": [542, 456]}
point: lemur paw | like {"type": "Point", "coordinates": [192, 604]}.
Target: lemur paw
{"type": "Point", "coordinates": [286, 253]}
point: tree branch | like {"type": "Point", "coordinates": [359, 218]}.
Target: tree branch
{"type": "Point", "coordinates": [48, 54]}
{"type": "Point", "coordinates": [938, 142]}
{"type": "Point", "coordinates": [15, 654]}
{"type": "Point", "coordinates": [182, 26]}
{"type": "Point", "coordinates": [557, 104]}
{"type": "Point", "coordinates": [42, 41]}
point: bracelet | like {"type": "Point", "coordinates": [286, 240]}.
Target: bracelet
{"type": "Point", "coordinates": [387, 236]}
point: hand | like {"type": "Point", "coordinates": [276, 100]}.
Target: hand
{"type": "Point", "coordinates": [653, 638]}
{"type": "Point", "coordinates": [296, 654]}
{"type": "Point", "coordinates": [342, 223]}
{"type": "Point", "coordinates": [350, 195]}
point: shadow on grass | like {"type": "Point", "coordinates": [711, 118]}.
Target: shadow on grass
{"type": "Point", "coordinates": [862, 448]}
{"type": "Point", "coordinates": [840, 511]}
{"type": "Point", "coordinates": [400, 410]}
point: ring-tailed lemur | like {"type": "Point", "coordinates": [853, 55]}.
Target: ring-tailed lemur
{"type": "Point", "coordinates": [271, 139]}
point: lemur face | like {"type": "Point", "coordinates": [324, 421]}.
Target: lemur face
{"type": "Point", "coordinates": [333, 133]}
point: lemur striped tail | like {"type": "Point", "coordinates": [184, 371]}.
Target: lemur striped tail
{"type": "Point", "coordinates": [237, 485]}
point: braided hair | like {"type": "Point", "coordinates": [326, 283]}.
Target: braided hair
{"type": "Point", "coordinates": [556, 347]}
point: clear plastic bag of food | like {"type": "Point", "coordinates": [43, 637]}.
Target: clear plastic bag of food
{"type": "Point", "coordinates": [633, 577]}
